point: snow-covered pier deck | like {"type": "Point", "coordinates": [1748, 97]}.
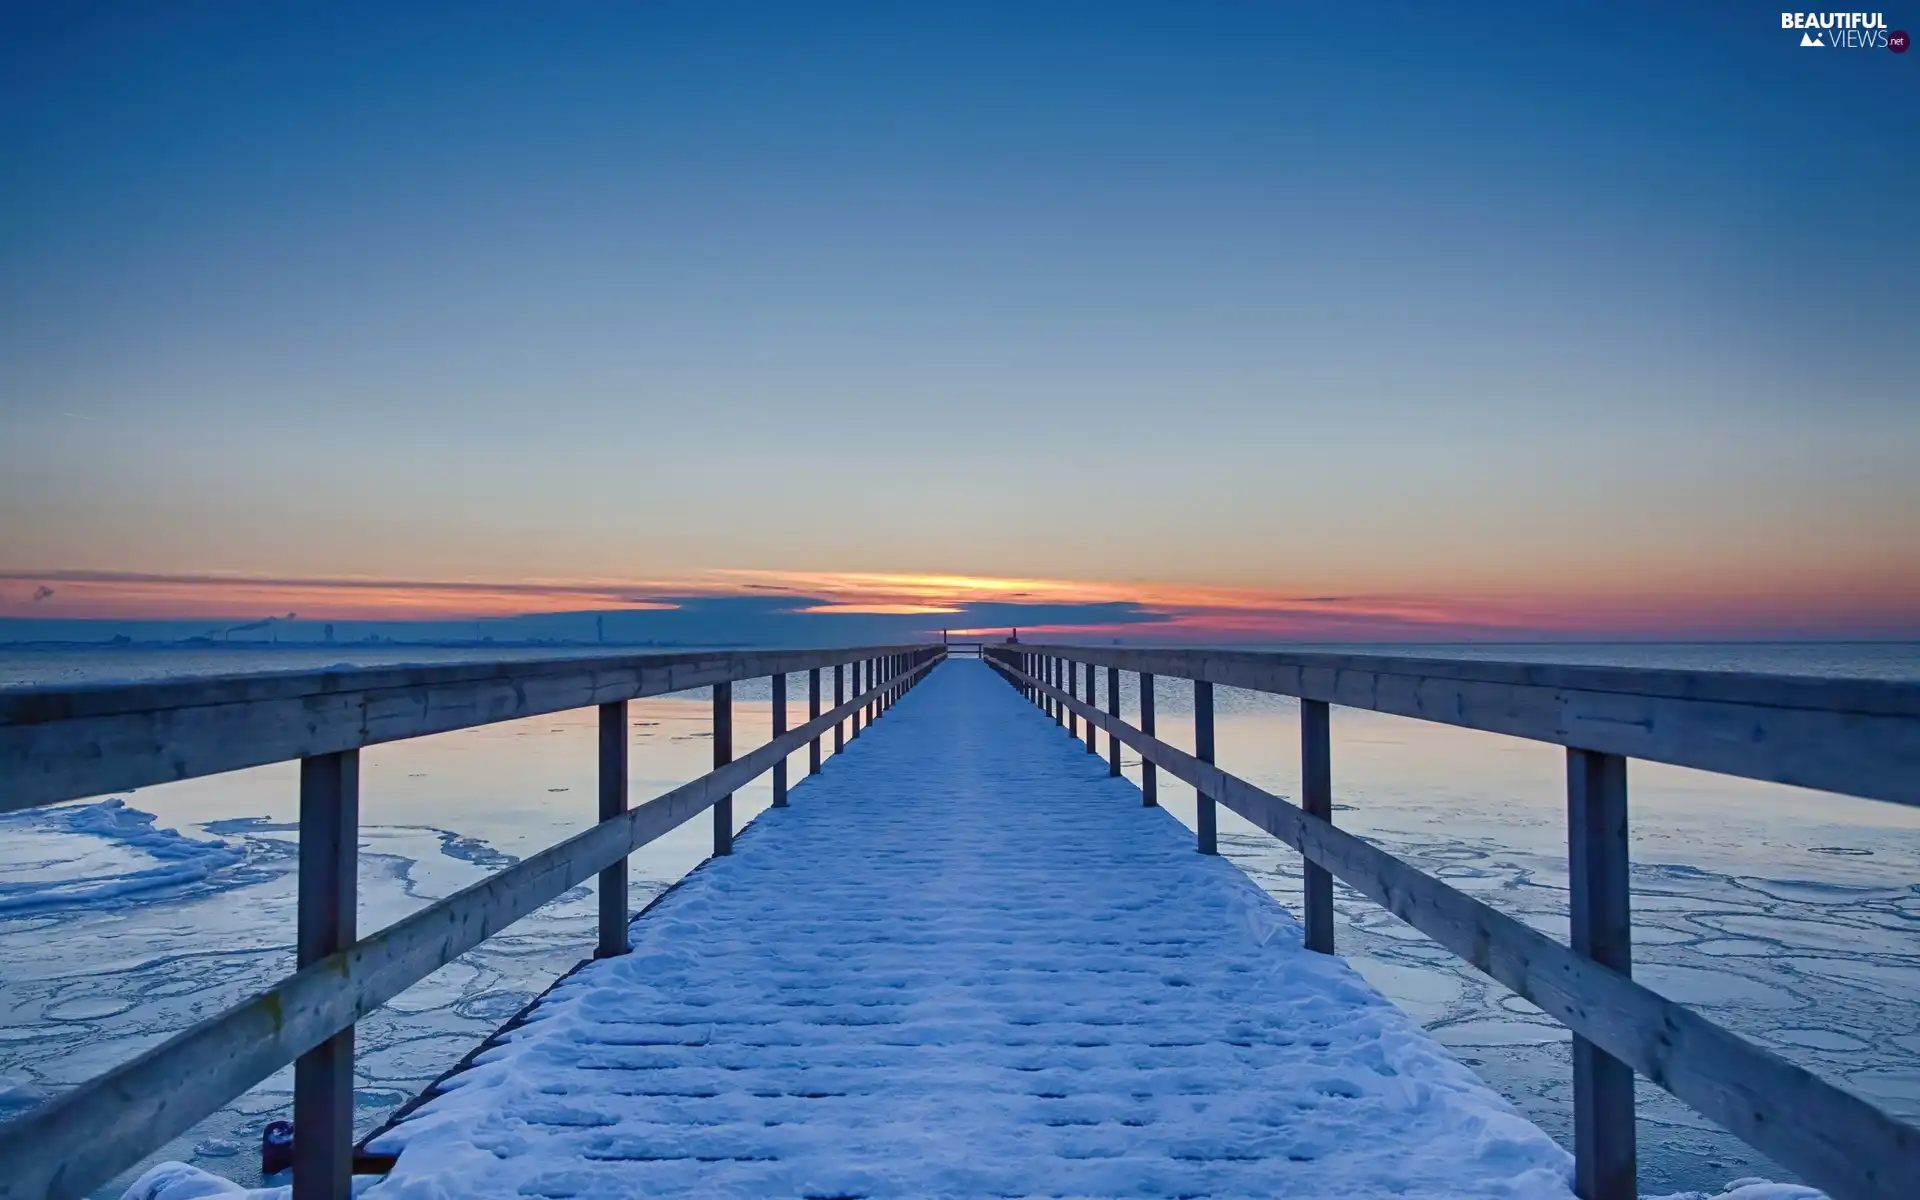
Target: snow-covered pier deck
{"type": "Point", "coordinates": [967, 962]}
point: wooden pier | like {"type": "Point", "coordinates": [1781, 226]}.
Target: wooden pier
{"type": "Point", "coordinates": [948, 865]}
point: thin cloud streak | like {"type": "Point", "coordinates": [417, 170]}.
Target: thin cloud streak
{"type": "Point", "coordinates": [1064, 608]}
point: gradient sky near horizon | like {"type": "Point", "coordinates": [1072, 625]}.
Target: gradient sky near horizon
{"type": "Point", "coordinates": [1581, 318]}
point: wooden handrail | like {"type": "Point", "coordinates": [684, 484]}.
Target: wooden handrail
{"type": "Point", "coordinates": [80, 1140]}
{"type": "Point", "coordinates": [1859, 737]}
{"type": "Point", "coordinates": [1839, 1141]}
{"type": "Point", "coordinates": [63, 743]}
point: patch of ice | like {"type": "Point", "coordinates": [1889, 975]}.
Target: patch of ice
{"type": "Point", "coordinates": [98, 855]}
{"type": "Point", "coordinates": [19, 1095]}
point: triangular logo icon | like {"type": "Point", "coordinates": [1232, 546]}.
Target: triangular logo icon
{"type": "Point", "coordinates": [1807, 39]}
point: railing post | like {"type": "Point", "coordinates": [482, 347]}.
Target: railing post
{"type": "Point", "coordinates": [813, 714]}
{"type": "Point", "coordinates": [1149, 773]}
{"type": "Point", "coordinates": [1204, 816]}
{"type": "Point", "coordinates": [1316, 798]}
{"type": "Point", "coordinates": [839, 698]}
{"type": "Point", "coordinates": [1602, 930]}
{"type": "Point", "coordinates": [722, 755]}
{"type": "Point", "coordinates": [780, 727]}
{"type": "Point", "coordinates": [1072, 670]}
{"type": "Point", "coordinates": [613, 802]}
{"type": "Point", "coordinates": [328, 893]}
{"type": "Point", "coordinates": [1093, 701]}
{"type": "Point", "coordinates": [1113, 710]}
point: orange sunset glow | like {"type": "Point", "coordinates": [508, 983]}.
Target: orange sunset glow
{"type": "Point", "coordinates": [1178, 611]}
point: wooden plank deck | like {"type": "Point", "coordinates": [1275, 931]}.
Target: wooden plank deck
{"type": "Point", "coordinates": [967, 961]}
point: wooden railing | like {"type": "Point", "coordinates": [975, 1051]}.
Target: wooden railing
{"type": "Point", "coordinates": [66, 743]}
{"type": "Point", "coordinates": [1858, 738]}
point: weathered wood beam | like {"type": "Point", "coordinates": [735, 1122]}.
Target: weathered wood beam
{"type": "Point", "coordinates": [1838, 1141]}
{"type": "Point", "coordinates": [613, 802]}
{"type": "Point", "coordinates": [722, 755]}
{"type": "Point", "coordinates": [1601, 929]}
{"type": "Point", "coordinates": [1857, 737]}
{"type": "Point", "coordinates": [329, 893]}
{"type": "Point", "coordinates": [1149, 771]}
{"type": "Point", "coordinates": [1316, 798]}
{"type": "Point", "coordinates": [71, 1145]}
{"type": "Point", "coordinates": [813, 713]}
{"type": "Point", "coordinates": [70, 742]}
{"type": "Point", "coordinates": [779, 727]}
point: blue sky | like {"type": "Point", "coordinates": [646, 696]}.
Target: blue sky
{"type": "Point", "coordinates": [1592, 305]}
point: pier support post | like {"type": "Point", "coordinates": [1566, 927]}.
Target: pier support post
{"type": "Point", "coordinates": [839, 698]}
{"type": "Point", "coordinates": [813, 714]}
{"type": "Point", "coordinates": [1602, 930]}
{"type": "Point", "coordinates": [1205, 818]}
{"type": "Point", "coordinates": [780, 727]}
{"type": "Point", "coordinates": [1316, 798]}
{"type": "Point", "coordinates": [1149, 773]}
{"type": "Point", "coordinates": [613, 802]}
{"type": "Point", "coordinates": [722, 755]}
{"type": "Point", "coordinates": [1093, 701]}
{"type": "Point", "coordinates": [328, 892]}
{"type": "Point", "coordinates": [1072, 670]}
{"type": "Point", "coordinates": [1113, 710]}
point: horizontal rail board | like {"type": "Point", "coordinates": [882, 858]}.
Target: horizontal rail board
{"type": "Point", "coordinates": [1835, 1139]}
{"type": "Point", "coordinates": [85, 1137]}
{"type": "Point", "coordinates": [1856, 737]}
{"type": "Point", "coordinates": [66, 743]}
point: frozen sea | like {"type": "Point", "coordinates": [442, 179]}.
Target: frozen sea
{"type": "Point", "coordinates": [1791, 916]}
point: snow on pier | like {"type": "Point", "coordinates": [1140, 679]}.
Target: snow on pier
{"type": "Point", "coordinates": [967, 962]}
